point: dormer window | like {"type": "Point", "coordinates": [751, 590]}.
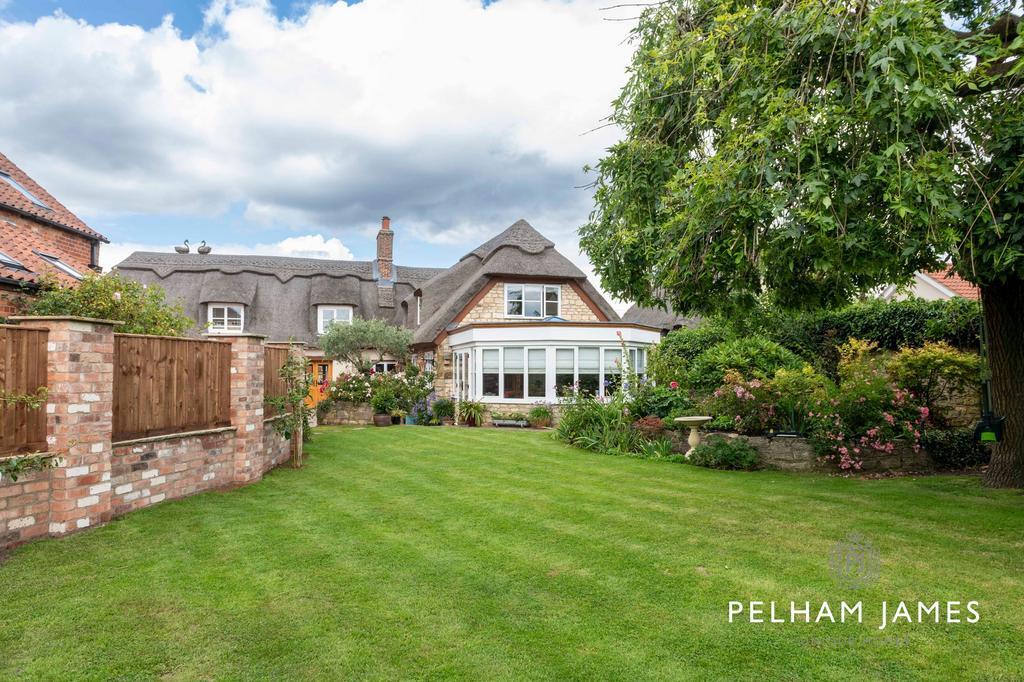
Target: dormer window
{"type": "Point", "coordinates": [419, 306]}
{"type": "Point", "coordinates": [326, 315]}
{"type": "Point", "coordinates": [225, 317]}
{"type": "Point", "coordinates": [532, 300]}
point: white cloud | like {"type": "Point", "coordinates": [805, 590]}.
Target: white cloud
{"type": "Point", "coordinates": [443, 113]}
{"type": "Point", "coordinates": [305, 246]}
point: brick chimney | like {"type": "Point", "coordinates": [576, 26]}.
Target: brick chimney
{"type": "Point", "coordinates": [383, 265]}
{"type": "Point", "coordinates": [385, 249]}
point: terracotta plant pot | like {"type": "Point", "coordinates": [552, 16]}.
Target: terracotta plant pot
{"type": "Point", "coordinates": [382, 420]}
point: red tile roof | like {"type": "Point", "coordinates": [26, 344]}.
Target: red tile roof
{"type": "Point", "coordinates": [19, 244]}
{"type": "Point", "coordinates": [55, 213]}
{"type": "Point", "coordinates": [955, 283]}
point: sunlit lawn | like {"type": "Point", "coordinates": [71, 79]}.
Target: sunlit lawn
{"type": "Point", "coordinates": [413, 552]}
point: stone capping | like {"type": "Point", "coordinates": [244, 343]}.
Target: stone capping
{"type": "Point", "coordinates": [172, 436]}
{"type": "Point", "coordinates": [238, 335]}
{"type": "Point", "coordinates": [62, 318]}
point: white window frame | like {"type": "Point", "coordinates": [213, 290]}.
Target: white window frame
{"type": "Point", "coordinates": [544, 288]}
{"type": "Point", "coordinates": [419, 301]}
{"type": "Point", "coordinates": [224, 330]}
{"type": "Point", "coordinates": [474, 380]}
{"type": "Point", "coordinates": [321, 309]}
{"type": "Point", "coordinates": [390, 367]}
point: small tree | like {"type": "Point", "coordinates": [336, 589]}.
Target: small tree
{"type": "Point", "coordinates": [293, 423]}
{"type": "Point", "coordinates": [143, 309]}
{"type": "Point", "coordinates": [352, 342]}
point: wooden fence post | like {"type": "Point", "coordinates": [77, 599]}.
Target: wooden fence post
{"type": "Point", "coordinates": [79, 417]}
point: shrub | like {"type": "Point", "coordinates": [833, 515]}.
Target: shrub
{"type": "Point", "coordinates": [384, 400]}
{"type": "Point", "coordinates": [725, 453]}
{"type": "Point", "coordinates": [650, 427]}
{"type": "Point", "coordinates": [954, 448]}
{"type": "Point", "coordinates": [647, 398]}
{"type": "Point", "coordinates": [540, 416]}
{"type": "Point", "coordinates": [443, 408]}
{"type": "Point", "coordinates": [471, 412]}
{"type": "Point", "coordinates": [753, 357]}
{"type": "Point", "coordinates": [935, 372]}
{"type": "Point", "coordinates": [591, 424]}
{"type": "Point", "coordinates": [351, 342]}
{"type": "Point", "coordinates": [670, 360]}
{"type": "Point", "coordinates": [659, 448]}
{"type": "Point", "coordinates": [142, 309]}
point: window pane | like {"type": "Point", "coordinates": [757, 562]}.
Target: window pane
{"type": "Point", "coordinates": [589, 359]}
{"type": "Point", "coordinates": [534, 292]}
{"type": "Point", "coordinates": [551, 293]}
{"type": "Point", "coordinates": [537, 385]}
{"type": "Point", "coordinates": [564, 359]}
{"type": "Point", "coordinates": [563, 383]}
{"type": "Point", "coordinates": [612, 361]}
{"type": "Point", "coordinates": [588, 383]}
{"type": "Point", "coordinates": [537, 359]}
{"type": "Point", "coordinates": [533, 309]}
{"type": "Point", "coordinates": [641, 361]}
{"type": "Point", "coordinates": [490, 384]}
{"type": "Point", "coordinates": [514, 308]}
{"type": "Point", "coordinates": [551, 309]}
{"type": "Point", "coordinates": [513, 359]}
{"type": "Point", "coordinates": [514, 385]}
{"type": "Point", "coordinates": [490, 361]}
{"type": "Point", "coordinates": [514, 292]}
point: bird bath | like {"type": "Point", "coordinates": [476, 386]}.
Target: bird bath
{"type": "Point", "coordinates": [693, 423]}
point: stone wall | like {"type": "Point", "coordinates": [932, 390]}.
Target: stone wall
{"type": "Point", "coordinates": [491, 308]}
{"type": "Point", "coordinates": [96, 480]}
{"type": "Point", "coordinates": [24, 507]}
{"type": "Point", "coordinates": [149, 471]}
{"type": "Point", "coordinates": [346, 413]}
{"type": "Point", "coordinates": [796, 454]}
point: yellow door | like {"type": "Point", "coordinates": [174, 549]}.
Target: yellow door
{"type": "Point", "coordinates": [322, 373]}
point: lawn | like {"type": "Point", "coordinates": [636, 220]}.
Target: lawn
{"type": "Point", "coordinates": [415, 552]}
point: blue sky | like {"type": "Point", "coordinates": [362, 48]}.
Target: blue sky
{"type": "Point", "coordinates": [291, 127]}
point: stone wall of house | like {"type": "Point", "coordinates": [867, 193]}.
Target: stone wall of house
{"type": "Point", "coordinates": [491, 308]}
{"type": "Point", "coordinates": [346, 413]}
{"type": "Point", "coordinates": [96, 480]}
{"type": "Point", "coordinates": [796, 454]}
{"type": "Point", "coordinates": [519, 408]}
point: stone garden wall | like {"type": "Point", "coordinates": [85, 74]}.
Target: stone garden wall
{"type": "Point", "coordinates": [346, 413]}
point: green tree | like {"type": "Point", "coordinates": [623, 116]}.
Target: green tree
{"type": "Point", "coordinates": [143, 309]}
{"type": "Point", "coordinates": [365, 342]}
{"type": "Point", "coordinates": [802, 152]}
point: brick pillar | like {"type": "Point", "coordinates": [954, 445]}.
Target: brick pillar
{"type": "Point", "coordinates": [80, 418]}
{"type": "Point", "coordinates": [247, 404]}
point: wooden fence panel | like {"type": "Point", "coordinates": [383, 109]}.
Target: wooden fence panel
{"type": "Point", "coordinates": [23, 365]}
{"type": "Point", "coordinates": [274, 358]}
{"type": "Point", "coordinates": [167, 385]}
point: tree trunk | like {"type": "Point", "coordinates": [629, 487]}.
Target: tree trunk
{"type": "Point", "coordinates": [1004, 325]}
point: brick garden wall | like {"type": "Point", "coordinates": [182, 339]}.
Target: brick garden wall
{"type": "Point", "coordinates": [97, 480]}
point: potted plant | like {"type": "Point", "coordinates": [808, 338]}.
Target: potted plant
{"type": "Point", "coordinates": [540, 417]}
{"type": "Point", "coordinates": [384, 402]}
{"type": "Point", "coordinates": [508, 419]}
{"type": "Point", "coordinates": [444, 411]}
{"type": "Point", "coordinates": [471, 412]}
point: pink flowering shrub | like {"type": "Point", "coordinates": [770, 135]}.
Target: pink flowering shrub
{"type": "Point", "coordinates": [866, 413]}
{"type": "Point", "coordinates": [741, 405]}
